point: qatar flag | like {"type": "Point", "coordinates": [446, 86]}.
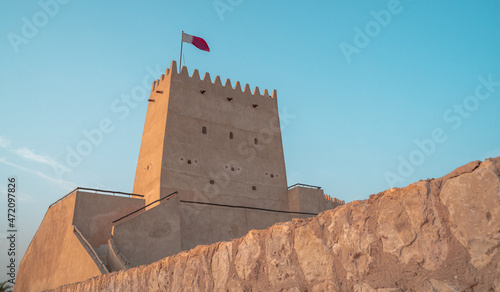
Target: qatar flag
{"type": "Point", "coordinates": [195, 41]}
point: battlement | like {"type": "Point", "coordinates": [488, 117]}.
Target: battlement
{"type": "Point", "coordinates": [336, 201]}
{"type": "Point", "coordinates": [215, 86]}
{"type": "Point", "coordinates": [212, 131]}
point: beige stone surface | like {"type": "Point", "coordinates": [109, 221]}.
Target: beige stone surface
{"type": "Point", "coordinates": [310, 200]}
{"type": "Point", "coordinates": [473, 200]}
{"type": "Point", "coordinates": [151, 235]}
{"type": "Point", "coordinates": [280, 260]}
{"type": "Point", "coordinates": [202, 224]}
{"type": "Point", "coordinates": [432, 285]}
{"type": "Point", "coordinates": [313, 256]}
{"type": "Point", "coordinates": [55, 256]}
{"type": "Point", "coordinates": [198, 130]}
{"type": "Point", "coordinates": [46, 263]}
{"type": "Point", "coordinates": [434, 235]}
{"type": "Point", "coordinates": [94, 214]}
{"type": "Point", "coordinates": [221, 265]}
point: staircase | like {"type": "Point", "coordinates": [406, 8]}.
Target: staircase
{"type": "Point", "coordinates": [102, 253]}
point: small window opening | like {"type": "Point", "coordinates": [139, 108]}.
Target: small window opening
{"type": "Point", "coordinates": [254, 188]}
{"type": "Point", "coordinates": [212, 181]}
{"type": "Point", "coordinates": [230, 135]}
{"type": "Point", "coordinates": [255, 141]}
{"type": "Point", "coordinates": [204, 130]}
{"type": "Point", "coordinates": [189, 161]}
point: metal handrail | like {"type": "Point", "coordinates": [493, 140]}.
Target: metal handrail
{"type": "Point", "coordinates": [304, 185]}
{"type": "Point", "coordinates": [247, 207]}
{"type": "Point", "coordinates": [95, 190]}
{"type": "Point", "coordinates": [91, 249]}
{"type": "Point", "coordinates": [112, 192]}
{"type": "Point", "coordinates": [142, 208]}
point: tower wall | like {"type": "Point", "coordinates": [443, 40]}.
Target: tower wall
{"type": "Point", "coordinates": [148, 172]}
{"type": "Point", "coordinates": [218, 144]}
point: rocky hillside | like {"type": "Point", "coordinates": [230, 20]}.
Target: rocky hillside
{"type": "Point", "coordinates": [435, 235]}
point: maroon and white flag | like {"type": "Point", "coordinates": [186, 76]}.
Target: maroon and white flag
{"type": "Point", "coordinates": [195, 41]}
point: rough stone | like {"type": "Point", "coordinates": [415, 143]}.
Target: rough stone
{"type": "Point", "coordinates": [314, 257]}
{"type": "Point", "coordinates": [279, 257]}
{"type": "Point", "coordinates": [473, 200]}
{"type": "Point", "coordinates": [246, 259]}
{"type": "Point", "coordinates": [221, 262]}
{"type": "Point", "coordinates": [434, 235]}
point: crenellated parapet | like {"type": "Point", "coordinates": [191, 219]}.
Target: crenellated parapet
{"type": "Point", "coordinates": [336, 201]}
{"type": "Point", "coordinates": [308, 198]}
{"type": "Point", "coordinates": [215, 86]}
{"type": "Point", "coordinates": [215, 130]}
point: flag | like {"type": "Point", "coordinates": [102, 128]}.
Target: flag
{"type": "Point", "coordinates": [195, 41]}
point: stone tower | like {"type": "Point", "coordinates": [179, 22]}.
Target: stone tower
{"type": "Point", "coordinates": [218, 147]}
{"type": "Point", "coordinates": [212, 143]}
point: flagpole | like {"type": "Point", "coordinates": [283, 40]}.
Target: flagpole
{"type": "Point", "coordinates": [180, 59]}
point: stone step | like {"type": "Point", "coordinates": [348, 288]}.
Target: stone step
{"type": "Point", "coordinates": [102, 253]}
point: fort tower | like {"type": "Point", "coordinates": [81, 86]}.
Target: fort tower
{"type": "Point", "coordinates": [218, 148]}
{"type": "Point", "coordinates": [212, 143]}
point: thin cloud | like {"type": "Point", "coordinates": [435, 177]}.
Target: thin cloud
{"type": "Point", "coordinates": [28, 154]}
{"type": "Point", "coordinates": [61, 183]}
{"type": "Point", "coordinates": [4, 142]}
{"type": "Point", "coordinates": [4, 161]}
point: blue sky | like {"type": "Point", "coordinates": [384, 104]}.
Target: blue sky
{"type": "Point", "coordinates": [376, 94]}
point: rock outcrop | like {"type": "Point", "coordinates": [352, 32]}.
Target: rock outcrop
{"type": "Point", "coordinates": [434, 235]}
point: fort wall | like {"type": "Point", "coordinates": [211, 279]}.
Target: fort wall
{"type": "Point", "coordinates": [57, 254]}
{"type": "Point", "coordinates": [50, 258]}
{"type": "Point", "coordinates": [311, 200]}
{"type": "Point", "coordinates": [152, 235]}
{"type": "Point", "coordinates": [94, 214]}
{"type": "Point", "coordinates": [207, 224]}
{"type": "Point", "coordinates": [221, 144]}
